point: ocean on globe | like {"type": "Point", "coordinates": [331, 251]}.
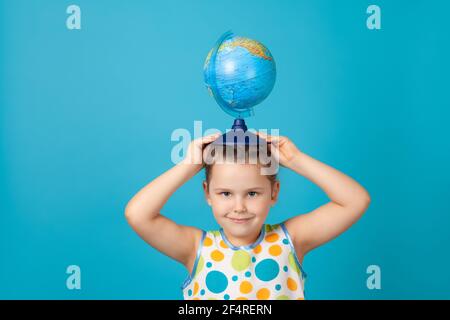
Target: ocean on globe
{"type": "Point", "coordinates": [239, 73]}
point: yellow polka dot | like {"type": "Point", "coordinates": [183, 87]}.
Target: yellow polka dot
{"type": "Point", "coordinates": [301, 298]}
{"type": "Point", "coordinates": [223, 244]}
{"type": "Point", "coordinates": [291, 284]}
{"type": "Point", "coordinates": [263, 294]}
{"type": "Point", "coordinates": [216, 255]}
{"type": "Point", "coordinates": [207, 242]}
{"type": "Point", "coordinates": [241, 298]}
{"type": "Point", "coordinates": [196, 299]}
{"type": "Point", "coordinates": [272, 237]}
{"type": "Point", "coordinates": [195, 288]}
{"type": "Point", "coordinates": [275, 250]}
{"type": "Point", "coordinates": [245, 287]}
{"type": "Point", "coordinates": [257, 249]}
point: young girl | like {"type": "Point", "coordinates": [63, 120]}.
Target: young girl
{"type": "Point", "coordinates": [246, 258]}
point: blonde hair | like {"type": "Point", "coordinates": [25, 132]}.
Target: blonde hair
{"type": "Point", "coordinates": [259, 155]}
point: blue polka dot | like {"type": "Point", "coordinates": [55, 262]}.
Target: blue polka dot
{"type": "Point", "coordinates": [190, 292]}
{"type": "Point", "coordinates": [285, 241]}
{"type": "Point", "coordinates": [227, 297]}
{"type": "Point", "coordinates": [248, 274]}
{"type": "Point", "coordinates": [202, 292]}
{"type": "Point", "coordinates": [267, 269]}
{"type": "Point", "coordinates": [278, 287]}
{"type": "Point", "coordinates": [234, 278]}
{"type": "Point", "coordinates": [209, 264]}
{"type": "Point", "coordinates": [253, 259]}
{"type": "Point", "coordinates": [216, 281]}
{"type": "Point", "coordinates": [285, 268]}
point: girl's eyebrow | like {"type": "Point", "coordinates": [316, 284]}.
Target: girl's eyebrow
{"type": "Point", "coordinates": [226, 189]}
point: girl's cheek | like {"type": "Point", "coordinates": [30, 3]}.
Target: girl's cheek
{"type": "Point", "coordinates": [221, 205]}
{"type": "Point", "coordinates": [260, 206]}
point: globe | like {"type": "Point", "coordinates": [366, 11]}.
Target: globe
{"type": "Point", "coordinates": [239, 73]}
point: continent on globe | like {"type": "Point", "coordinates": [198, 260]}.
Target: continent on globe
{"type": "Point", "coordinates": [239, 73]}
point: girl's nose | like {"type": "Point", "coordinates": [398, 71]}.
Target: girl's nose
{"type": "Point", "coordinates": [239, 206]}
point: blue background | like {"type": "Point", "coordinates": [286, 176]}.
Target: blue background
{"type": "Point", "coordinates": [87, 115]}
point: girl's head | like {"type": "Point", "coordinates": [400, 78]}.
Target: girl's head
{"type": "Point", "coordinates": [238, 189]}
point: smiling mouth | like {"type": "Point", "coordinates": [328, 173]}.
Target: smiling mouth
{"type": "Point", "coordinates": [240, 220]}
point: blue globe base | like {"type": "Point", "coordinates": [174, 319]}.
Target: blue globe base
{"type": "Point", "coordinates": [239, 135]}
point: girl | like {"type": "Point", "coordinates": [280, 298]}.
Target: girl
{"type": "Point", "coordinates": [246, 258]}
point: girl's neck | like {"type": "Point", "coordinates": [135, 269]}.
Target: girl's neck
{"type": "Point", "coordinates": [243, 241]}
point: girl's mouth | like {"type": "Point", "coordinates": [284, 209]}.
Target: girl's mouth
{"type": "Point", "coordinates": [240, 221]}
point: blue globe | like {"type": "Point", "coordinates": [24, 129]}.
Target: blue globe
{"type": "Point", "coordinates": [239, 73]}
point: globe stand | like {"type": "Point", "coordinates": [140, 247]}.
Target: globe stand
{"type": "Point", "coordinates": [239, 136]}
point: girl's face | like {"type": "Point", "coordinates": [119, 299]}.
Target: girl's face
{"type": "Point", "coordinates": [240, 197]}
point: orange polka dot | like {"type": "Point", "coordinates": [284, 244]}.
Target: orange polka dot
{"type": "Point", "coordinates": [241, 298]}
{"type": "Point", "coordinates": [196, 299]}
{"type": "Point", "coordinates": [291, 284]}
{"type": "Point", "coordinates": [207, 242]}
{"type": "Point", "coordinates": [195, 288]}
{"type": "Point", "coordinates": [216, 255]}
{"type": "Point", "coordinates": [257, 249]}
{"type": "Point", "coordinates": [223, 244]}
{"type": "Point", "coordinates": [263, 294]}
{"type": "Point", "coordinates": [301, 298]}
{"type": "Point", "coordinates": [275, 250]}
{"type": "Point", "coordinates": [245, 287]}
{"type": "Point", "coordinates": [272, 237]}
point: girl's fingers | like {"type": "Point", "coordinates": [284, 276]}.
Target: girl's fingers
{"type": "Point", "coordinates": [214, 135]}
{"type": "Point", "coordinates": [275, 152]}
{"type": "Point", "coordinates": [269, 138]}
{"type": "Point", "coordinates": [210, 138]}
{"type": "Point", "coordinates": [263, 135]}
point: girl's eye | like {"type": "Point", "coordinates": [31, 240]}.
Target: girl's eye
{"type": "Point", "coordinates": [252, 193]}
{"type": "Point", "coordinates": [225, 193]}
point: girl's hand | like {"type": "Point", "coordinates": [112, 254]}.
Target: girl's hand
{"type": "Point", "coordinates": [285, 148]}
{"type": "Point", "coordinates": [194, 153]}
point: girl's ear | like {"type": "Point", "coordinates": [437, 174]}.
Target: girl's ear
{"type": "Point", "coordinates": [205, 189]}
{"type": "Point", "coordinates": [275, 192]}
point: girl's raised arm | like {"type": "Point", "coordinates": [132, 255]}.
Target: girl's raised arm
{"type": "Point", "coordinates": [349, 200]}
{"type": "Point", "coordinates": [143, 210]}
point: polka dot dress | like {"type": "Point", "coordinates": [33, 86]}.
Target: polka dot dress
{"type": "Point", "coordinates": [268, 269]}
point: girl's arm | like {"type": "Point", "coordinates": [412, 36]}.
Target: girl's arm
{"type": "Point", "coordinates": [349, 200]}
{"type": "Point", "coordinates": [143, 210]}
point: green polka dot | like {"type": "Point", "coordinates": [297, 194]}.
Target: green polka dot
{"type": "Point", "coordinates": [283, 297]}
{"type": "Point", "coordinates": [240, 260]}
{"type": "Point", "coordinates": [216, 233]}
{"type": "Point", "coordinates": [292, 263]}
{"type": "Point", "coordinates": [201, 263]}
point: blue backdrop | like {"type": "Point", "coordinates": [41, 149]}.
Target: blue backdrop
{"type": "Point", "coordinates": [87, 115]}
